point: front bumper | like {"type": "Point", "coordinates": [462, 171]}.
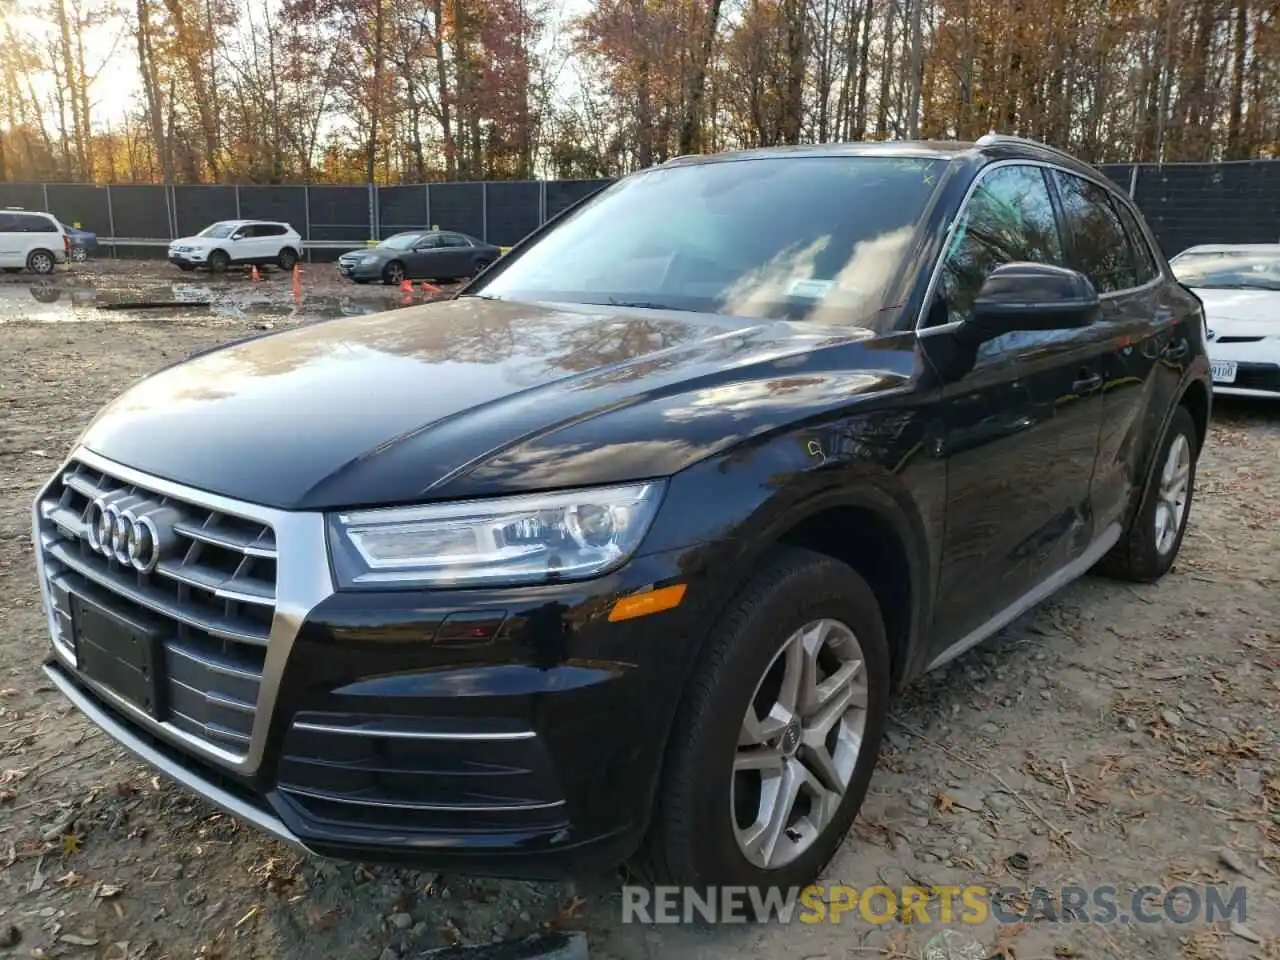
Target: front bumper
{"type": "Point", "coordinates": [188, 258]}
{"type": "Point", "coordinates": [511, 732]}
{"type": "Point", "coordinates": [1252, 380]}
{"type": "Point", "coordinates": [354, 270]}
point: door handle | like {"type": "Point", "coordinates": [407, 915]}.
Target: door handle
{"type": "Point", "coordinates": [1087, 383]}
{"type": "Point", "coordinates": [1176, 352]}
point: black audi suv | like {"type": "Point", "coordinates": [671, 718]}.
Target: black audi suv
{"type": "Point", "coordinates": [621, 553]}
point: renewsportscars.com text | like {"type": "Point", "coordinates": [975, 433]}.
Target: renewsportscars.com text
{"type": "Point", "coordinates": [974, 904]}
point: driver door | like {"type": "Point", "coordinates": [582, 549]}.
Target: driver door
{"type": "Point", "coordinates": [423, 261]}
{"type": "Point", "coordinates": [1019, 429]}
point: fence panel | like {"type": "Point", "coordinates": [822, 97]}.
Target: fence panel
{"type": "Point", "coordinates": [288, 204]}
{"type": "Point", "coordinates": [511, 210]}
{"type": "Point", "coordinates": [198, 206]}
{"type": "Point", "coordinates": [562, 194]}
{"type": "Point", "coordinates": [339, 213]}
{"type": "Point", "coordinates": [402, 208]}
{"type": "Point", "coordinates": [81, 203]}
{"type": "Point", "coordinates": [141, 212]}
{"type": "Point", "coordinates": [458, 206]}
{"type": "Point", "coordinates": [27, 195]}
{"type": "Point", "coordinates": [1185, 203]}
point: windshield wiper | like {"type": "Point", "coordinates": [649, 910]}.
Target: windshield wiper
{"type": "Point", "coordinates": [479, 296]}
{"type": "Point", "coordinates": [637, 304]}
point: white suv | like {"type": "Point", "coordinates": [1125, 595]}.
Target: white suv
{"type": "Point", "coordinates": [31, 240]}
{"type": "Point", "coordinates": [244, 242]}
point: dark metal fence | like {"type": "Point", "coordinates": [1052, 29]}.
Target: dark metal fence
{"type": "Point", "coordinates": [142, 219]}
{"type": "Point", "coordinates": [1185, 203]}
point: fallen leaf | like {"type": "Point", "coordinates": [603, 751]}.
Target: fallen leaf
{"type": "Point", "coordinates": [12, 776]}
{"type": "Point", "coordinates": [108, 890]}
{"type": "Point", "coordinates": [944, 803]}
{"type": "Point", "coordinates": [76, 941]}
{"type": "Point", "coordinates": [70, 843]}
{"type": "Point", "coordinates": [69, 879]}
{"type": "Point", "coordinates": [6, 796]}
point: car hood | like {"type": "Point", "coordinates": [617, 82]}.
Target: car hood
{"type": "Point", "coordinates": [395, 407]}
{"type": "Point", "coordinates": [380, 252]}
{"type": "Point", "coordinates": [1247, 312]}
{"type": "Point", "coordinates": [194, 241]}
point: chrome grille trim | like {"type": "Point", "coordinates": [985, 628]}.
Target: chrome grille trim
{"type": "Point", "coordinates": [234, 645]}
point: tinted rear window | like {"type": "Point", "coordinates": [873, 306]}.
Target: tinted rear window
{"type": "Point", "coordinates": [789, 237]}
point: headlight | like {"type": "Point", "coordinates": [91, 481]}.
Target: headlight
{"type": "Point", "coordinates": [538, 538]}
{"type": "Point", "coordinates": [369, 258]}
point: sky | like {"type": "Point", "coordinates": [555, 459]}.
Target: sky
{"type": "Point", "coordinates": [114, 93]}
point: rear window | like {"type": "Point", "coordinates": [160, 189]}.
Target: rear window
{"type": "Point", "coordinates": [800, 237]}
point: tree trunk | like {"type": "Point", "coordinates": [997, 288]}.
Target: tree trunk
{"type": "Point", "coordinates": [793, 92]}
{"type": "Point", "coordinates": [916, 66]}
{"type": "Point", "coordinates": [1236, 108]}
{"type": "Point", "coordinates": [882, 109]}
{"type": "Point", "coordinates": [375, 100]}
{"type": "Point", "coordinates": [864, 68]}
{"type": "Point", "coordinates": [151, 90]}
{"type": "Point", "coordinates": [79, 123]}
{"type": "Point", "coordinates": [190, 46]}
{"type": "Point", "coordinates": [691, 127]}
{"type": "Point", "coordinates": [446, 109]}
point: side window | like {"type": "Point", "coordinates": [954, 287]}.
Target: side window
{"type": "Point", "coordinates": [1009, 218]}
{"type": "Point", "coordinates": [9, 223]}
{"type": "Point", "coordinates": [1144, 260]}
{"type": "Point", "coordinates": [453, 240]}
{"type": "Point", "coordinates": [1102, 250]}
{"type": "Point", "coordinates": [271, 230]}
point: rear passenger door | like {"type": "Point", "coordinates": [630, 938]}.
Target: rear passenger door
{"type": "Point", "coordinates": [457, 255]}
{"type": "Point", "coordinates": [1107, 244]}
{"type": "Point", "coordinates": [1019, 430]}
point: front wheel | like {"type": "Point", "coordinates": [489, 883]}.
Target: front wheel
{"type": "Point", "coordinates": [41, 262]}
{"type": "Point", "coordinates": [287, 258]}
{"type": "Point", "coordinates": [773, 748]}
{"type": "Point", "coordinates": [481, 267]}
{"type": "Point", "coordinates": [393, 273]}
{"type": "Point", "coordinates": [1148, 548]}
{"type": "Point", "coordinates": [218, 262]}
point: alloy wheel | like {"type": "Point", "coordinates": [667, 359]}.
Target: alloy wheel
{"type": "Point", "coordinates": [799, 744]}
{"type": "Point", "coordinates": [1173, 493]}
{"type": "Point", "coordinates": [41, 263]}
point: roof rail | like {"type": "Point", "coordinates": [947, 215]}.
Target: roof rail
{"type": "Point", "coordinates": [994, 139]}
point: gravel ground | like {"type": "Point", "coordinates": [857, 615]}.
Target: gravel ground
{"type": "Point", "coordinates": [1114, 735]}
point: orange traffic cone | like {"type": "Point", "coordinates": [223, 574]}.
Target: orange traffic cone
{"type": "Point", "coordinates": [297, 281]}
{"type": "Point", "coordinates": [253, 273]}
{"type": "Point", "coordinates": [406, 285]}
{"type": "Point", "coordinates": [429, 287]}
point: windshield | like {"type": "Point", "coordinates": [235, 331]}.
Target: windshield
{"type": "Point", "coordinates": [401, 241]}
{"type": "Point", "coordinates": [1229, 270]}
{"type": "Point", "coordinates": [217, 230]}
{"type": "Point", "coordinates": [796, 237]}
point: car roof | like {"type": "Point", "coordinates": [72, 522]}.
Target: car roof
{"type": "Point", "coordinates": [989, 148]}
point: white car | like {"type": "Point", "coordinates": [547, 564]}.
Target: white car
{"type": "Point", "coordinates": [1240, 287]}
{"type": "Point", "coordinates": [31, 241]}
{"type": "Point", "coordinates": [238, 243]}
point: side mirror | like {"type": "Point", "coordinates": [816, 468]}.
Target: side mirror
{"type": "Point", "coordinates": [1030, 296]}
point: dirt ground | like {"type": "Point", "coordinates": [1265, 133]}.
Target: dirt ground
{"type": "Point", "coordinates": [1114, 735]}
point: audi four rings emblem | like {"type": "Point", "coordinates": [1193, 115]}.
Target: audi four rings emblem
{"type": "Point", "coordinates": [126, 531]}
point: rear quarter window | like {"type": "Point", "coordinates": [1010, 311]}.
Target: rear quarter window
{"type": "Point", "coordinates": [30, 223]}
{"type": "Point", "coordinates": [1100, 246]}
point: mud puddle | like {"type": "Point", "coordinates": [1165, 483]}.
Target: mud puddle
{"type": "Point", "coordinates": [66, 301]}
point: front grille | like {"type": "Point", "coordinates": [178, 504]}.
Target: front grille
{"type": "Point", "coordinates": [1256, 376]}
{"type": "Point", "coordinates": [211, 599]}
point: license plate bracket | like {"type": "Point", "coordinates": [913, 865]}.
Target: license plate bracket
{"type": "Point", "coordinates": [123, 654]}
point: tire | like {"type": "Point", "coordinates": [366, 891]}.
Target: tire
{"type": "Point", "coordinates": [481, 266]}
{"type": "Point", "coordinates": [287, 258]}
{"type": "Point", "coordinates": [693, 840]}
{"type": "Point", "coordinates": [393, 273]}
{"type": "Point", "coordinates": [41, 262]}
{"type": "Point", "coordinates": [79, 254]}
{"type": "Point", "coordinates": [218, 262]}
{"type": "Point", "coordinates": [1143, 555]}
